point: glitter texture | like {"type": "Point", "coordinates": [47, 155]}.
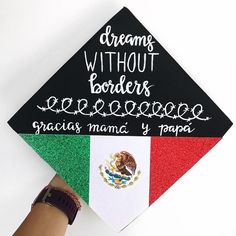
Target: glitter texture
{"type": "Point", "coordinates": [68, 155]}
{"type": "Point", "coordinates": [171, 158]}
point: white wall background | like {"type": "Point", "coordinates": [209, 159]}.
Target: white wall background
{"type": "Point", "coordinates": [38, 37]}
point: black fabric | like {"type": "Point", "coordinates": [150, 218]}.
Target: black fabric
{"type": "Point", "coordinates": [170, 84]}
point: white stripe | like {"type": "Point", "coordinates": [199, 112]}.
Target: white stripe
{"type": "Point", "coordinates": [118, 207]}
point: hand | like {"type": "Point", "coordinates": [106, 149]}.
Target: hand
{"type": "Point", "coordinates": [44, 219]}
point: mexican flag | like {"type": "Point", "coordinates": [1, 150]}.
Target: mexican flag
{"type": "Point", "coordinates": [160, 162]}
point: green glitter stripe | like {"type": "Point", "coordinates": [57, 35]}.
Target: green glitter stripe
{"type": "Point", "coordinates": [68, 154]}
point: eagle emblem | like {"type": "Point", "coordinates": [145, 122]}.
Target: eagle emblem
{"type": "Point", "coordinates": [120, 171]}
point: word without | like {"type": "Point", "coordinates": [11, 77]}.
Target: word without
{"type": "Point", "coordinates": [120, 62]}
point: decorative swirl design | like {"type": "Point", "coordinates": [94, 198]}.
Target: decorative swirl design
{"type": "Point", "coordinates": [116, 108]}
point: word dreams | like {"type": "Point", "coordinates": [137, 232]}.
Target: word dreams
{"type": "Point", "coordinates": [110, 39]}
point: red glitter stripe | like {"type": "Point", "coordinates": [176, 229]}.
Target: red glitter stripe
{"type": "Point", "coordinates": [172, 157]}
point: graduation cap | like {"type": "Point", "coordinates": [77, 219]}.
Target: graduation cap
{"type": "Point", "coordinates": [121, 121]}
